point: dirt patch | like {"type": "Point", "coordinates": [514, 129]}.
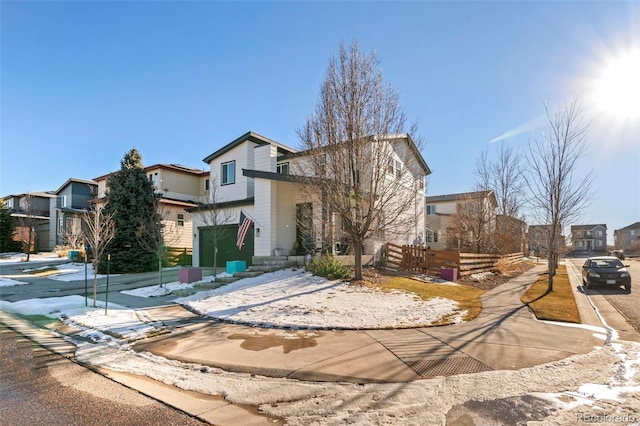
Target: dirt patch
{"type": "Point", "coordinates": [491, 281]}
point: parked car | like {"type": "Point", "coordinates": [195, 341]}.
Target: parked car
{"type": "Point", "coordinates": [606, 270]}
{"type": "Point", "coordinates": [617, 253]}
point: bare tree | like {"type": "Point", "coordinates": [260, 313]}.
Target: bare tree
{"type": "Point", "coordinates": [504, 176]}
{"type": "Point", "coordinates": [73, 234]}
{"type": "Point", "coordinates": [26, 224]}
{"type": "Point", "coordinates": [216, 217]}
{"type": "Point", "coordinates": [559, 193]}
{"type": "Point", "coordinates": [359, 164]}
{"type": "Point", "coordinates": [471, 226]}
{"type": "Point", "coordinates": [99, 231]}
{"type": "Point", "coordinates": [155, 238]}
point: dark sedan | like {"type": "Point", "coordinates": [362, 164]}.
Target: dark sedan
{"type": "Point", "coordinates": [605, 270]}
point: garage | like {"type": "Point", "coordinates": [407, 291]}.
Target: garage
{"type": "Point", "coordinates": [227, 249]}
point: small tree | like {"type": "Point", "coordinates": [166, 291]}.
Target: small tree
{"type": "Point", "coordinates": [73, 234]}
{"type": "Point", "coordinates": [559, 193]}
{"type": "Point", "coordinates": [216, 217]}
{"type": "Point", "coordinates": [99, 232]}
{"type": "Point", "coordinates": [7, 230]}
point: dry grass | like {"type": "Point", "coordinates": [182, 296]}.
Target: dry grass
{"type": "Point", "coordinates": [558, 305]}
{"type": "Point", "coordinates": [468, 298]}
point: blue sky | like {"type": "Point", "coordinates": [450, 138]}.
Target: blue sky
{"type": "Point", "coordinates": [83, 82]}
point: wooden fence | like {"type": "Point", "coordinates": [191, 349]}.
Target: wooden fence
{"type": "Point", "coordinates": [178, 256]}
{"type": "Point", "coordinates": [426, 261]}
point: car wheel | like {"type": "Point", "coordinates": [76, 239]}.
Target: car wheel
{"type": "Point", "coordinates": [628, 288]}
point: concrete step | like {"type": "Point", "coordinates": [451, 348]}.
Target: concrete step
{"type": "Point", "coordinates": [247, 274]}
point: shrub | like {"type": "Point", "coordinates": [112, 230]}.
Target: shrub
{"type": "Point", "coordinates": [329, 267]}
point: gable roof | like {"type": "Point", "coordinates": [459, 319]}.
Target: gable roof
{"type": "Point", "coordinates": [250, 137]}
{"type": "Point", "coordinates": [410, 143]}
{"type": "Point", "coordinates": [76, 180]}
{"type": "Point", "coordinates": [632, 226]}
{"type": "Point", "coordinates": [586, 227]}
{"type": "Point", "coordinates": [175, 167]}
{"type": "Point", "coordinates": [460, 196]}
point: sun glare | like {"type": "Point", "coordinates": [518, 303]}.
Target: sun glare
{"type": "Point", "coordinates": [618, 88]}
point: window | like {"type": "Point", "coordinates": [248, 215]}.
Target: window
{"type": "Point", "coordinates": [632, 232]}
{"type": "Point", "coordinates": [60, 225]}
{"type": "Point", "coordinates": [228, 173]}
{"type": "Point", "coordinates": [588, 233]}
{"type": "Point", "coordinates": [598, 243]}
{"type": "Point", "coordinates": [390, 167]}
{"type": "Point", "coordinates": [283, 168]}
{"type": "Point", "coordinates": [431, 209]}
{"type": "Point", "coordinates": [435, 236]}
{"type": "Point", "coordinates": [398, 169]}
{"type": "Point", "coordinates": [180, 219]}
{"type": "Point", "coordinates": [153, 178]}
{"type": "Point", "coordinates": [206, 184]}
{"type": "Point", "coordinates": [63, 201]}
{"type": "Point", "coordinates": [429, 236]}
{"type": "Point", "coordinates": [394, 168]}
{"type": "Point", "coordinates": [599, 233]}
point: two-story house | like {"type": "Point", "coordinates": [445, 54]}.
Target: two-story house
{"type": "Point", "coordinates": [72, 199]}
{"type": "Point", "coordinates": [451, 218]}
{"type": "Point", "coordinates": [180, 189]}
{"type": "Point", "coordinates": [31, 212]}
{"type": "Point", "coordinates": [628, 238]}
{"type": "Point", "coordinates": [260, 178]}
{"type": "Point", "coordinates": [589, 238]}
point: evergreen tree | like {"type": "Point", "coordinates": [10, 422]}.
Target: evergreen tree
{"type": "Point", "coordinates": [130, 199]}
{"type": "Point", "coordinates": [7, 229]}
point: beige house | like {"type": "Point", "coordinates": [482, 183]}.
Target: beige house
{"type": "Point", "coordinates": [442, 231]}
{"type": "Point", "coordinates": [181, 188]}
{"type": "Point", "coordinates": [628, 238]}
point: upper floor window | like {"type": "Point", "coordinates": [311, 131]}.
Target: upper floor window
{"type": "Point", "coordinates": [228, 173]}
{"type": "Point", "coordinates": [632, 232]}
{"type": "Point", "coordinates": [394, 167]}
{"type": "Point", "coordinates": [283, 168]}
{"type": "Point", "coordinates": [206, 184]}
{"type": "Point", "coordinates": [180, 219]}
{"type": "Point", "coordinates": [599, 233]}
{"type": "Point", "coordinates": [431, 209]}
{"type": "Point", "coordinates": [153, 178]}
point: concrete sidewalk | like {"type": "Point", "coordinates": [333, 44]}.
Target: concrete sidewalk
{"type": "Point", "coordinates": [505, 336]}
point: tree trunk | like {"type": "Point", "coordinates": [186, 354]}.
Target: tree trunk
{"type": "Point", "coordinates": [357, 251]}
{"type": "Point", "coordinates": [552, 271]}
{"type": "Point", "coordinates": [95, 283]}
{"type": "Point", "coordinates": [215, 260]}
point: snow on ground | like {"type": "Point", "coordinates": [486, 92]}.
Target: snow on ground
{"type": "Point", "coordinates": [7, 282]}
{"type": "Point", "coordinates": [602, 386]}
{"type": "Point", "coordinates": [295, 298]}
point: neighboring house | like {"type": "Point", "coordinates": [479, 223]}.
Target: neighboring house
{"type": "Point", "coordinates": [32, 210]}
{"type": "Point", "coordinates": [72, 199]}
{"type": "Point", "coordinates": [589, 238]}
{"type": "Point", "coordinates": [628, 238]}
{"type": "Point", "coordinates": [441, 211]}
{"type": "Point", "coordinates": [255, 177]}
{"type": "Point", "coordinates": [180, 188]}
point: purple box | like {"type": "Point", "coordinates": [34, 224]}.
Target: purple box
{"type": "Point", "coordinates": [449, 274]}
{"type": "Point", "coordinates": [190, 275]}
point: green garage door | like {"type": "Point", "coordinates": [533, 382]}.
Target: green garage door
{"type": "Point", "coordinates": [227, 249]}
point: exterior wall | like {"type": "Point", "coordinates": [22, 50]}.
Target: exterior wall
{"type": "Point", "coordinates": [177, 235]}
{"type": "Point", "coordinates": [177, 185]}
{"type": "Point", "coordinates": [240, 189]}
{"type": "Point", "coordinates": [628, 238]}
{"type": "Point", "coordinates": [266, 213]}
